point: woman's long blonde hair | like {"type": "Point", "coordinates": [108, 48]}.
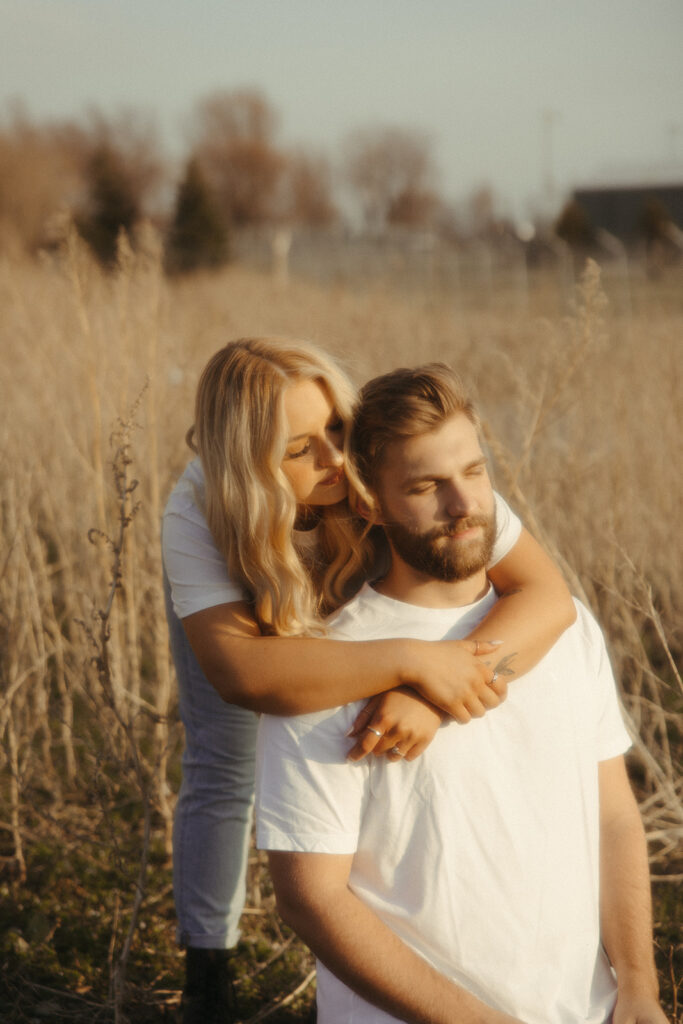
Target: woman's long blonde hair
{"type": "Point", "coordinates": [240, 434]}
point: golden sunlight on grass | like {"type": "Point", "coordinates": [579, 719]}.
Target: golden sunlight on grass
{"type": "Point", "coordinates": [581, 391]}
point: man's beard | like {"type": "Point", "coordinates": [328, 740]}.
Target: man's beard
{"type": "Point", "coordinates": [447, 561]}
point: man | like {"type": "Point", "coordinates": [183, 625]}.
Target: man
{"type": "Point", "coordinates": [502, 876]}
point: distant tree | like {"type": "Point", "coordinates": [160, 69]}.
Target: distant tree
{"type": "Point", "coordinates": [412, 207]}
{"type": "Point", "coordinates": [392, 171]}
{"type": "Point", "coordinates": [40, 177]}
{"type": "Point", "coordinates": [133, 136]}
{"type": "Point", "coordinates": [662, 239]}
{"type": "Point", "coordinates": [307, 190]}
{"type": "Point", "coordinates": [234, 139]}
{"type": "Point", "coordinates": [574, 227]}
{"type": "Point", "coordinates": [198, 235]}
{"type": "Point", "coordinates": [121, 169]}
{"type": "Point", "coordinates": [112, 203]}
{"type": "Point", "coordinates": [654, 221]}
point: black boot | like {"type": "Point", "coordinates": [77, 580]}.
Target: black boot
{"type": "Point", "coordinates": [209, 996]}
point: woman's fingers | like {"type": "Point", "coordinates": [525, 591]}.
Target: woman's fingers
{"type": "Point", "coordinates": [478, 647]}
{"type": "Point", "coordinates": [399, 720]}
{"type": "Point", "coordinates": [364, 717]}
{"type": "Point", "coordinates": [367, 741]}
{"type": "Point", "coordinates": [400, 723]}
{"type": "Point", "coordinates": [499, 686]}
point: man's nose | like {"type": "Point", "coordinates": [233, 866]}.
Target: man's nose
{"type": "Point", "coordinates": [458, 501]}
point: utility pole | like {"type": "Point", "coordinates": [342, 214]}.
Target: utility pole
{"type": "Point", "coordinates": [549, 119]}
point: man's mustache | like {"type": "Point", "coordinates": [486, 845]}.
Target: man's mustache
{"type": "Point", "coordinates": [460, 525]}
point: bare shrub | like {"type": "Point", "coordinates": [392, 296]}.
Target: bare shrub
{"type": "Point", "coordinates": [234, 141]}
{"type": "Point", "coordinates": [307, 190]}
{"type": "Point", "coordinates": [40, 175]}
{"type": "Point", "coordinates": [392, 171]}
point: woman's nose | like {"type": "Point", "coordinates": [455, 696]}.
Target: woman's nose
{"type": "Point", "coordinates": [330, 454]}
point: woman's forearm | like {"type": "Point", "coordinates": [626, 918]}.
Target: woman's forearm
{"type": "Point", "coordinates": [534, 609]}
{"type": "Point", "coordinates": [294, 676]}
{"type": "Point", "coordinates": [291, 675]}
{"type": "Point", "coordinates": [526, 624]}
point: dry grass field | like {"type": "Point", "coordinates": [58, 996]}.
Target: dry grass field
{"type": "Point", "coordinates": [581, 387]}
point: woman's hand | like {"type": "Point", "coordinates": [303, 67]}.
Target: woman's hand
{"type": "Point", "coordinates": [398, 723]}
{"type": "Point", "coordinates": [455, 676]}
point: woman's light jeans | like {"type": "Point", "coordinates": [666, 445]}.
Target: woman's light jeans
{"type": "Point", "coordinates": [213, 815]}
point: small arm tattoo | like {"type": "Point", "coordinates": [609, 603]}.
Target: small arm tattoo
{"type": "Point", "coordinates": [503, 666]}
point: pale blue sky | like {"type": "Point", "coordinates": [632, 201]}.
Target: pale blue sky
{"type": "Point", "coordinates": [477, 76]}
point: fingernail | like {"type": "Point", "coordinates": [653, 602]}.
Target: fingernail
{"type": "Point", "coordinates": [495, 643]}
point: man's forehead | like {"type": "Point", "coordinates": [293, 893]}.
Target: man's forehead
{"type": "Point", "coordinates": [456, 436]}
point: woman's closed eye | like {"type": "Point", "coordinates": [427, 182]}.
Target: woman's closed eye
{"type": "Point", "coordinates": [299, 452]}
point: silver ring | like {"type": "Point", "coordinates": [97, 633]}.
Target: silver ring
{"type": "Point", "coordinates": [476, 647]}
{"type": "Point", "coordinates": [395, 750]}
{"type": "Point", "coordinates": [376, 731]}
{"type": "Point", "coordinates": [493, 678]}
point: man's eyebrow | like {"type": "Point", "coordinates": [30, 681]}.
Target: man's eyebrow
{"type": "Point", "coordinates": [408, 480]}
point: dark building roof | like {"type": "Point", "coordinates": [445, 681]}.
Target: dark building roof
{"type": "Point", "coordinates": [624, 211]}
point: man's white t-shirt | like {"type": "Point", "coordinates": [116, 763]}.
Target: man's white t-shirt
{"type": "Point", "coordinates": [196, 569]}
{"type": "Point", "coordinates": [482, 854]}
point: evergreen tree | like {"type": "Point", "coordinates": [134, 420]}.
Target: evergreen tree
{"type": "Point", "coordinates": [112, 203]}
{"type": "Point", "coordinates": [198, 236]}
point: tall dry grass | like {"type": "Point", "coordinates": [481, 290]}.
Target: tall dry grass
{"type": "Point", "coordinates": [581, 392]}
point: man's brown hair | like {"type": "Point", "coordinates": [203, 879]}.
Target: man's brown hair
{"type": "Point", "coordinates": [402, 404]}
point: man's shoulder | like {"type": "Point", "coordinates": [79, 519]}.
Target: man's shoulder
{"type": "Point", "coordinates": [581, 647]}
{"type": "Point", "coordinates": [586, 629]}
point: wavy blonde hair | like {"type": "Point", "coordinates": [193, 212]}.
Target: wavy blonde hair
{"type": "Point", "coordinates": [240, 434]}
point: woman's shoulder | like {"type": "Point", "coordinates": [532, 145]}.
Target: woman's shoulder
{"type": "Point", "coordinates": [186, 497]}
{"type": "Point", "coordinates": [196, 569]}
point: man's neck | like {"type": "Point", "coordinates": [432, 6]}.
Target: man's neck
{"type": "Point", "coordinates": [406, 584]}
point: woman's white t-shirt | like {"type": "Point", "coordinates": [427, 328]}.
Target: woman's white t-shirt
{"type": "Point", "coordinates": [196, 569]}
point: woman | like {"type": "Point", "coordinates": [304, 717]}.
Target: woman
{"type": "Point", "coordinates": [259, 543]}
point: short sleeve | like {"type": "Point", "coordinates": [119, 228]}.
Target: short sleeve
{"type": "Point", "coordinates": [196, 570]}
{"type": "Point", "coordinates": [508, 529]}
{"type": "Point", "coordinates": [612, 736]}
{"type": "Point", "coordinates": [309, 797]}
